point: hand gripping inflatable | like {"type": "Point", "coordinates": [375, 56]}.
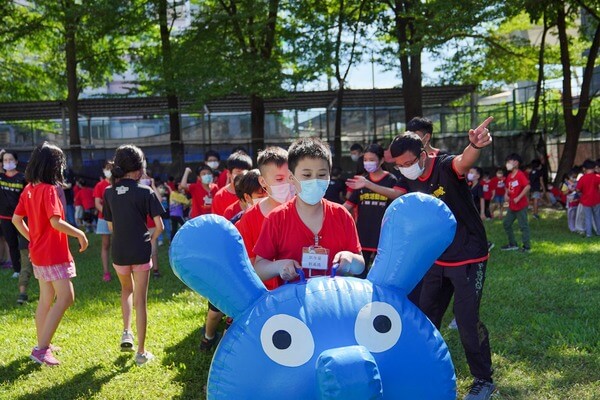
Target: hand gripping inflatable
{"type": "Point", "coordinates": [326, 338]}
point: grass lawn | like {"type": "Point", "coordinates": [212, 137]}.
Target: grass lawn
{"type": "Point", "coordinates": [542, 310]}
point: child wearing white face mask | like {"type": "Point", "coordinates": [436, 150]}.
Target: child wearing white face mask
{"type": "Point", "coordinates": [309, 232]}
{"type": "Point", "coordinates": [371, 194]}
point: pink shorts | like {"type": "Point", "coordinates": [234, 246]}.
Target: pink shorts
{"type": "Point", "coordinates": [128, 269]}
{"type": "Point", "coordinates": [49, 273]}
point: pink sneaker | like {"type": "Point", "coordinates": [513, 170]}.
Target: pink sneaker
{"type": "Point", "coordinates": [106, 277]}
{"type": "Point", "coordinates": [44, 357]}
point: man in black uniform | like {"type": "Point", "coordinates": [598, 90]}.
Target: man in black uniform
{"type": "Point", "coordinates": [461, 268]}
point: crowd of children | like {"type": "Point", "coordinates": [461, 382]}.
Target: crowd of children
{"type": "Point", "coordinates": [289, 209]}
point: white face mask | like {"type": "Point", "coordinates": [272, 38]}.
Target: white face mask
{"type": "Point", "coordinates": [509, 166]}
{"type": "Point", "coordinates": [281, 193]}
{"type": "Point", "coordinates": [107, 173]}
{"type": "Point", "coordinates": [371, 166]}
{"type": "Point", "coordinates": [9, 166]}
{"type": "Point", "coordinates": [146, 181]}
{"type": "Point", "coordinates": [471, 177]}
{"type": "Point", "coordinates": [213, 164]}
{"type": "Point", "coordinates": [354, 157]}
{"type": "Point", "coordinates": [412, 172]}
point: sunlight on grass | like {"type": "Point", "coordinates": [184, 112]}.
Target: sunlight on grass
{"type": "Point", "coordinates": [541, 310]}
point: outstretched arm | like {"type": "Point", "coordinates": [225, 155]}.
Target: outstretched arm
{"type": "Point", "coordinates": [478, 139]}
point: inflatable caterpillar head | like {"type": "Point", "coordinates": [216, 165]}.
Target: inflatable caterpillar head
{"type": "Point", "coordinates": [326, 338]}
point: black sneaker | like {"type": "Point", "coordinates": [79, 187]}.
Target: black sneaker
{"type": "Point", "coordinates": [490, 246]}
{"type": "Point", "coordinates": [480, 390]}
{"type": "Point", "coordinates": [207, 344]}
{"type": "Point", "coordinates": [525, 249]}
{"type": "Point", "coordinates": [156, 274]}
{"type": "Point", "coordinates": [22, 298]}
{"type": "Point", "coordinates": [509, 247]}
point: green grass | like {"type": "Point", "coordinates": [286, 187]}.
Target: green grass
{"type": "Point", "coordinates": [542, 311]}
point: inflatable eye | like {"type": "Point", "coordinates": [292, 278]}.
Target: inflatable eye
{"type": "Point", "coordinates": [378, 327]}
{"type": "Point", "coordinates": [287, 340]}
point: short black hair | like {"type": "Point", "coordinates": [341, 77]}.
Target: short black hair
{"type": "Point", "coordinates": [479, 171]}
{"type": "Point", "coordinates": [239, 148]}
{"type": "Point", "coordinates": [500, 169]}
{"type": "Point", "coordinates": [272, 154]}
{"type": "Point", "coordinates": [589, 164]}
{"type": "Point", "coordinates": [239, 160]}
{"type": "Point", "coordinates": [535, 163]}
{"type": "Point", "coordinates": [408, 141]}
{"type": "Point", "coordinates": [46, 165]}
{"type": "Point", "coordinates": [247, 184]}
{"type": "Point", "coordinates": [13, 153]}
{"type": "Point", "coordinates": [128, 158]}
{"type": "Point", "coordinates": [310, 147]}
{"type": "Point", "coordinates": [515, 157]}
{"type": "Point", "coordinates": [336, 170]}
{"type": "Point", "coordinates": [356, 147]}
{"type": "Point", "coordinates": [212, 153]}
{"type": "Point", "coordinates": [375, 149]}
{"type": "Point", "coordinates": [420, 124]}
{"type": "Point", "coordinates": [202, 167]}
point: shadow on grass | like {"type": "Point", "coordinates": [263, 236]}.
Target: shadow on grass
{"type": "Point", "coordinates": [16, 369]}
{"type": "Point", "coordinates": [191, 364]}
{"type": "Point", "coordinates": [83, 385]}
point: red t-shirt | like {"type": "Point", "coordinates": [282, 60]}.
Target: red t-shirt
{"type": "Point", "coordinates": [222, 179]}
{"type": "Point", "coordinates": [486, 186]}
{"type": "Point", "coordinates": [249, 226]}
{"type": "Point", "coordinates": [222, 200]}
{"type": "Point", "coordinates": [199, 198]}
{"type": "Point", "coordinates": [498, 185]}
{"type": "Point", "coordinates": [47, 246]}
{"type": "Point", "coordinates": [99, 193]}
{"type": "Point", "coordinates": [85, 198]}
{"type": "Point", "coordinates": [232, 210]}
{"type": "Point", "coordinates": [515, 183]}
{"type": "Point", "coordinates": [283, 234]}
{"type": "Point", "coordinates": [589, 186]}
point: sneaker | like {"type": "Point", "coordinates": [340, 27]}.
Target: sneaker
{"type": "Point", "coordinates": [141, 359]}
{"type": "Point", "coordinates": [156, 273]}
{"type": "Point", "coordinates": [6, 265]}
{"type": "Point", "coordinates": [44, 357]}
{"type": "Point", "coordinates": [207, 344]}
{"type": "Point", "coordinates": [525, 249]}
{"type": "Point", "coordinates": [127, 341]}
{"type": "Point", "coordinates": [106, 277]}
{"type": "Point", "coordinates": [15, 275]}
{"type": "Point", "coordinates": [452, 324]}
{"type": "Point", "coordinates": [536, 216]}
{"type": "Point", "coordinates": [490, 246]}
{"type": "Point", "coordinates": [480, 390]}
{"type": "Point", "coordinates": [22, 298]}
{"type": "Point", "coordinates": [509, 247]}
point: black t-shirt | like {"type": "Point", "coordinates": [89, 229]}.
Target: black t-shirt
{"type": "Point", "coordinates": [371, 207]}
{"type": "Point", "coordinates": [335, 188]}
{"type": "Point", "coordinates": [127, 205]}
{"type": "Point", "coordinates": [470, 241]}
{"type": "Point", "coordinates": [534, 180]}
{"type": "Point", "coordinates": [10, 192]}
{"type": "Point", "coordinates": [477, 192]}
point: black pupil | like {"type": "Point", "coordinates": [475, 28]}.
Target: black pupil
{"type": "Point", "coordinates": [382, 324]}
{"type": "Point", "coordinates": [282, 340]}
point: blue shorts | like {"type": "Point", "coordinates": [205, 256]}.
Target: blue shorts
{"type": "Point", "coordinates": [102, 227]}
{"type": "Point", "coordinates": [536, 195]}
{"type": "Point", "coordinates": [499, 199]}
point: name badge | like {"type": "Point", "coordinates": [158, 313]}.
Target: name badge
{"type": "Point", "coordinates": [315, 258]}
{"type": "Point", "coordinates": [207, 200]}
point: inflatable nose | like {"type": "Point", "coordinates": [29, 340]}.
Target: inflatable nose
{"type": "Point", "coordinates": [348, 373]}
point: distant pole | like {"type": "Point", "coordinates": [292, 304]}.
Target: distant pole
{"type": "Point", "coordinates": [374, 106]}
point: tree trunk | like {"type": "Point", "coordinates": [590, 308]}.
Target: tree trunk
{"type": "Point", "coordinates": [573, 122]}
{"type": "Point", "coordinates": [412, 89]}
{"type": "Point", "coordinates": [257, 123]}
{"type": "Point", "coordinates": [535, 117]}
{"type": "Point", "coordinates": [177, 151]}
{"type": "Point", "coordinates": [337, 135]}
{"type": "Point", "coordinates": [73, 94]}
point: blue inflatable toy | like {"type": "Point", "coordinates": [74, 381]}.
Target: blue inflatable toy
{"type": "Point", "coordinates": [327, 337]}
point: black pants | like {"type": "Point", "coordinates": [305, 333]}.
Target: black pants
{"type": "Point", "coordinates": [466, 283]}
{"type": "Point", "coordinates": [487, 212]}
{"type": "Point", "coordinates": [176, 223]}
{"type": "Point", "coordinates": [11, 234]}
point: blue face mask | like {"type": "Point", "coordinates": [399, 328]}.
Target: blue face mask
{"type": "Point", "coordinates": [313, 190]}
{"type": "Point", "coordinates": [207, 179]}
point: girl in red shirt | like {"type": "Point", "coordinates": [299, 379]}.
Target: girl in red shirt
{"type": "Point", "coordinates": [47, 232]}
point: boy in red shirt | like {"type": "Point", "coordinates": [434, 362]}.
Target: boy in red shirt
{"type": "Point", "coordinates": [517, 189]}
{"type": "Point", "coordinates": [497, 187]}
{"type": "Point", "coordinates": [274, 179]}
{"type": "Point", "coordinates": [309, 232]}
{"type": "Point", "coordinates": [101, 224]}
{"type": "Point", "coordinates": [589, 187]}
{"type": "Point", "coordinates": [486, 186]}
{"type": "Point", "coordinates": [237, 163]}
{"type": "Point", "coordinates": [202, 192]}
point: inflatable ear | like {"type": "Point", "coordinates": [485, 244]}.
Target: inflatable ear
{"type": "Point", "coordinates": [208, 255]}
{"type": "Point", "coordinates": [416, 229]}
